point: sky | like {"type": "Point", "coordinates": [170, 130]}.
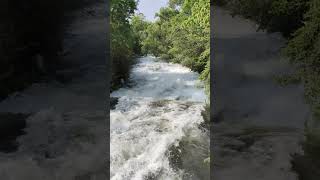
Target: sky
{"type": "Point", "coordinates": [150, 7]}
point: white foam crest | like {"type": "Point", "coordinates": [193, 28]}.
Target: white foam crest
{"type": "Point", "coordinates": [157, 79]}
{"type": "Point", "coordinates": [163, 107]}
{"type": "Point", "coordinates": [60, 146]}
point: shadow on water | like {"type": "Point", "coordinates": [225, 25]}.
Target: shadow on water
{"type": "Point", "coordinates": [189, 156]}
{"type": "Point", "coordinates": [31, 40]}
{"type": "Point", "coordinates": [11, 127]}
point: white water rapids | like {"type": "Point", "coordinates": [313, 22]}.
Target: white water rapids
{"type": "Point", "coordinates": [152, 118]}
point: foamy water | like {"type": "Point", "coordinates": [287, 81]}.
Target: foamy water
{"type": "Point", "coordinates": [163, 108]}
{"type": "Point", "coordinates": [66, 131]}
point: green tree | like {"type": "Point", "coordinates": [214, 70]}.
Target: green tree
{"type": "Point", "coordinates": [122, 40]}
{"type": "Point", "coordinates": [139, 26]}
{"type": "Point", "coordinates": [303, 51]}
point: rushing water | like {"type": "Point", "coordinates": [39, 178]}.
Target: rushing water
{"type": "Point", "coordinates": [258, 122]}
{"type": "Point", "coordinates": [155, 125]}
{"type": "Point", "coordinates": [65, 133]}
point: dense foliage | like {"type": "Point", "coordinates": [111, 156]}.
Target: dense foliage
{"type": "Point", "coordinates": [303, 51]}
{"type": "Point", "coordinates": [181, 34]}
{"type": "Point", "coordinates": [139, 26]}
{"type": "Point", "coordinates": [122, 40]}
{"type": "Point", "coordinates": [128, 30]}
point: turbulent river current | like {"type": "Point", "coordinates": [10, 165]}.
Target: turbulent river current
{"type": "Point", "coordinates": [154, 127]}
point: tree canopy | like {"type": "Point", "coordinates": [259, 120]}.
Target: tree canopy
{"type": "Point", "coordinates": [122, 39]}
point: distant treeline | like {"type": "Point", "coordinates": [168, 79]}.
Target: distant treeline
{"type": "Point", "coordinates": [299, 22]}
{"type": "Point", "coordinates": [30, 39]}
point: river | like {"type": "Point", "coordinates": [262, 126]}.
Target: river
{"type": "Point", "coordinates": [258, 123]}
{"type": "Point", "coordinates": [65, 133]}
{"type": "Point", "coordinates": [155, 130]}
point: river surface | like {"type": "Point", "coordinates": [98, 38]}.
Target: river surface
{"type": "Point", "coordinates": [258, 123]}
{"type": "Point", "coordinates": [65, 133]}
{"type": "Point", "coordinates": [154, 127]}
